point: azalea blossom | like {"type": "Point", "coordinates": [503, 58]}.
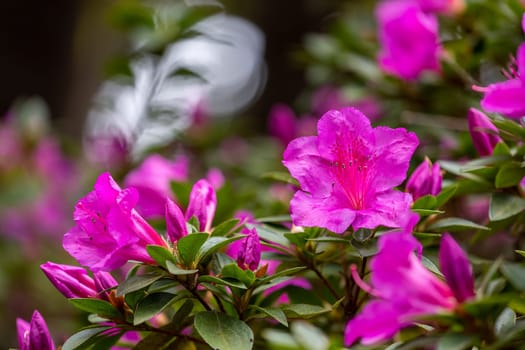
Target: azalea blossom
{"type": "Point", "coordinates": [409, 39]}
{"type": "Point", "coordinates": [347, 173]}
{"type": "Point", "coordinates": [404, 289]}
{"type": "Point", "coordinates": [152, 180]}
{"type": "Point", "coordinates": [484, 134]}
{"type": "Point", "coordinates": [507, 97]}
{"type": "Point", "coordinates": [249, 254]}
{"type": "Point", "coordinates": [34, 335]}
{"type": "Point", "coordinates": [109, 231]}
{"type": "Point", "coordinates": [202, 204]}
{"type": "Point", "coordinates": [426, 179]}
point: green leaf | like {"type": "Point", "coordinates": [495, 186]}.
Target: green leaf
{"type": "Point", "coordinates": [330, 240]}
{"type": "Point", "coordinates": [503, 206]}
{"type": "Point", "coordinates": [225, 282]}
{"type": "Point", "coordinates": [520, 252]}
{"type": "Point", "coordinates": [233, 271]}
{"type": "Point", "coordinates": [425, 202]}
{"type": "Point", "coordinates": [276, 314]}
{"type": "Point", "coordinates": [183, 312]}
{"type": "Point", "coordinates": [223, 332]}
{"type": "Point", "coordinates": [455, 224]}
{"type": "Point", "coordinates": [96, 306]}
{"type": "Point", "coordinates": [212, 245]}
{"type": "Point", "coordinates": [182, 191]}
{"type": "Point", "coordinates": [505, 321]}
{"type": "Point", "coordinates": [445, 195]}
{"type": "Point", "coordinates": [188, 247]}
{"type": "Point", "coordinates": [515, 273]}
{"type": "Point", "coordinates": [286, 272]}
{"type": "Point", "coordinates": [275, 218]}
{"type": "Point", "coordinates": [510, 127]}
{"type": "Point", "coordinates": [365, 248]}
{"type": "Point", "coordinates": [297, 238]}
{"type": "Point", "coordinates": [427, 212]}
{"type": "Point", "coordinates": [138, 282]}
{"type": "Point", "coordinates": [160, 254]}
{"type": "Point", "coordinates": [225, 227]}
{"type": "Point", "coordinates": [280, 176]}
{"type": "Point", "coordinates": [304, 310]}
{"type": "Point", "coordinates": [175, 270]}
{"type": "Point", "coordinates": [455, 341]}
{"type": "Point", "coordinates": [270, 234]}
{"type": "Point", "coordinates": [509, 175]}
{"type": "Point", "coordinates": [430, 266]}
{"type": "Point", "coordinates": [154, 341]}
{"type": "Point", "coordinates": [151, 305]}
{"type": "Point", "coordinates": [82, 337]}
{"type": "Point", "coordinates": [309, 336]}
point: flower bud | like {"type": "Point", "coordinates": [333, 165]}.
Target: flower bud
{"type": "Point", "coordinates": [456, 268]}
{"type": "Point", "coordinates": [104, 281]}
{"type": "Point", "coordinates": [426, 179]}
{"type": "Point", "coordinates": [71, 281]}
{"type": "Point", "coordinates": [34, 335]}
{"type": "Point", "coordinates": [483, 133]}
{"type": "Point", "coordinates": [202, 205]}
{"type": "Point", "coordinates": [249, 255]}
{"type": "Point", "coordinates": [175, 222]}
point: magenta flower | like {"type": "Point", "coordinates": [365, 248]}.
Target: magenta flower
{"type": "Point", "coordinates": [249, 254]}
{"type": "Point", "coordinates": [152, 180]}
{"type": "Point", "coordinates": [442, 6]}
{"type": "Point", "coordinates": [409, 39]}
{"type": "Point", "coordinates": [483, 133]}
{"type": "Point", "coordinates": [108, 231]}
{"type": "Point", "coordinates": [285, 126]}
{"type": "Point", "coordinates": [202, 205]}
{"type": "Point", "coordinates": [405, 290]}
{"type": "Point", "coordinates": [175, 222]}
{"type": "Point", "coordinates": [34, 335]}
{"type": "Point", "coordinates": [104, 282]}
{"type": "Point", "coordinates": [71, 281]}
{"type": "Point", "coordinates": [347, 173]}
{"type": "Point", "coordinates": [426, 179]}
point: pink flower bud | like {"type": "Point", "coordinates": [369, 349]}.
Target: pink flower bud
{"type": "Point", "coordinates": [34, 335]}
{"type": "Point", "coordinates": [71, 281]}
{"type": "Point", "coordinates": [249, 255]}
{"type": "Point", "coordinates": [175, 222]}
{"type": "Point", "coordinates": [426, 179]}
{"type": "Point", "coordinates": [483, 133]}
{"type": "Point", "coordinates": [456, 268]}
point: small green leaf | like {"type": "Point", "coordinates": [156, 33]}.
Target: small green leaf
{"type": "Point", "coordinates": [330, 240]}
{"type": "Point", "coordinates": [425, 202]}
{"type": "Point", "coordinates": [309, 336]}
{"type": "Point", "coordinates": [455, 341]}
{"type": "Point", "coordinates": [212, 245]}
{"type": "Point", "coordinates": [151, 305]}
{"type": "Point", "coordinates": [153, 341]}
{"type": "Point", "coordinates": [515, 273]}
{"type": "Point", "coordinates": [183, 312]}
{"type": "Point", "coordinates": [275, 218]}
{"type": "Point", "coordinates": [304, 310]}
{"type": "Point", "coordinates": [455, 224]}
{"type": "Point", "coordinates": [225, 282]}
{"type": "Point", "coordinates": [274, 313]}
{"type": "Point", "coordinates": [138, 282]}
{"type": "Point", "coordinates": [297, 238]}
{"type": "Point", "coordinates": [182, 191]}
{"type": "Point", "coordinates": [175, 270]}
{"type": "Point", "coordinates": [188, 247]}
{"type": "Point", "coordinates": [225, 228]}
{"type": "Point", "coordinates": [510, 174]}
{"type": "Point", "coordinates": [270, 234]}
{"type": "Point", "coordinates": [520, 252]}
{"type": "Point", "coordinates": [223, 332]}
{"type": "Point", "coordinates": [160, 254]}
{"type": "Point", "coordinates": [503, 206]}
{"type": "Point", "coordinates": [96, 306]}
{"type": "Point", "coordinates": [280, 176]}
{"type": "Point", "coordinates": [287, 272]}
{"type": "Point", "coordinates": [505, 321]}
{"type": "Point", "coordinates": [445, 195]}
{"type": "Point", "coordinates": [431, 266]}
{"type": "Point", "coordinates": [233, 271]}
{"type": "Point", "coordinates": [427, 212]}
{"type": "Point", "coordinates": [82, 337]}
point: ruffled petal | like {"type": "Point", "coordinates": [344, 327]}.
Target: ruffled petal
{"type": "Point", "coordinates": [507, 98]}
{"type": "Point", "coordinates": [388, 209]}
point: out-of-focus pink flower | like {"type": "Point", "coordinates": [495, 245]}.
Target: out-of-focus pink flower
{"type": "Point", "coordinates": [347, 173]}
{"type": "Point", "coordinates": [330, 97]}
{"type": "Point", "coordinates": [152, 180]}
{"type": "Point", "coordinates": [202, 205]}
{"type": "Point", "coordinates": [442, 6]}
{"type": "Point", "coordinates": [405, 290]}
{"type": "Point", "coordinates": [483, 133]}
{"type": "Point", "coordinates": [285, 126]}
{"type": "Point", "coordinates": [34, 335]}
{"type": "Point", "coordinates": [71, 281]}
{"type": "Point", "coordinates": [109, 151]}
{"type": "Point", "coordinates": [409, 39]}
{"type": "Point", "coordinates": [109, 231]}
{"type": "Point", "coordinates": [216, 178]}
{"type": "Point", "coordinates": [426, 179]}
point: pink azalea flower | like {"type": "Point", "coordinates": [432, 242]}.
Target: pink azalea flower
{"type": "Point", "coordinates": [405, 290]}
{"type": "Point", "coordinates": [409, 39]}
{"type": "Point", "coordinates": [507, 97]}
{"type": "Point", "coordinates": [152, 180]}
{"type": "Point", "coordinates": [285, 126]}
{"type": "Point", "coordinates": [426, 179]}
{"type": "Point", "coordinates": [347, 173]}
{"type": "Point", "coordinates": [109, 231]}
{"type": "Point", "coordinates": [483, 133]}
{"type": "Point", "coordinates": [442, 6]}
{"type": "Point", "coordinates": [34, 335]}
{"type": "Point", "coordinates": [202, 205]}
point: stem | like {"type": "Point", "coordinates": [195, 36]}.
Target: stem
{"type": "Point", "coordinates": [199, 298]}
{"type": "Point", "coordinates": [325, 281]}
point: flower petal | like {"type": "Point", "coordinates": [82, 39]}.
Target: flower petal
{"type": "Point", "coordinates": [331, 213]}
{"type": "Point", "coordinates": [507, 98]}
{"type": "Point", "coordinates": [456, 268]}
{"type": "Point", "coordinates": [388, 209]}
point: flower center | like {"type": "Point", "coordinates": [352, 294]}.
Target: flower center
{"type": "Point", "coordinates": [352, 171]}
